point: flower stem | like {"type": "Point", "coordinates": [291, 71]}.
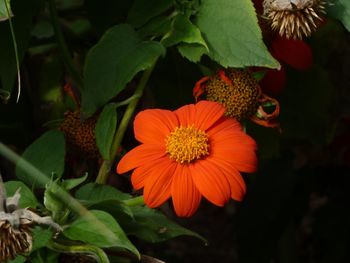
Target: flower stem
{"type": "Point", "coordinates": [96, 252]}
{"type": "Point", "coordinates": [73, 72]}
{"type": "Point", "coordinates": [106, 165]}
{"type": "Point", "coordinates": [134, 201]}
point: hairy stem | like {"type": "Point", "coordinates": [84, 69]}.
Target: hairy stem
{"type": "Point", "coordinates": [73, 72]}
{"type": "Point", "coordinates": [106, 165]}
{"type": "Point", "coordinates": [134, 201]}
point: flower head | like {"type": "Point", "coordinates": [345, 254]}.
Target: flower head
{"type": "Point", "coordinates": [192, 152]}
{"type": "Point", "coordinates": [240, 94]}
{"type": "Point", "coordinates": [294, 18]}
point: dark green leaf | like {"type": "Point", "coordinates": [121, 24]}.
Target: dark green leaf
{"type": "Point", "coordinates": [113, 62]}
{"type": "Point", "coordinates": [18, 259]}
{"type": "Point", "coordinates": [143, 10]}
{"type": "Point", "coordinates": [100, 229]}
{"type": "Point", "coordinates": [71, 183]}
{"type": "Point", "coordinates": [4, 14]}
{"type": "Point", "coordinates": [28, 199]}
{"type": "Point", "coordinates": [100, 192]}
{"type": "Point", "coordinates": [105, 129]}
{"type": "Point", "coordinates": [152, 226]}
{"type": "Point", "coordinates": [341, 10]}
{"type": "Point", "coordinates": [41, 237]}
{"type": "Point", "coordinates": [47, 154]}
{"type": "Point", "coordinates": [232, 33]}
{"type": "Point", "coordinates": [193, 52]}
{"type": "Point", "coordinates": [183, 31]}
{"type": "Point", "coordinates": [156, 27]}
{"type": "Point", "coordinates": [23, 15]}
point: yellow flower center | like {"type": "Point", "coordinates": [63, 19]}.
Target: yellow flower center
{"type": "Point", "coordinates": [186, 144]}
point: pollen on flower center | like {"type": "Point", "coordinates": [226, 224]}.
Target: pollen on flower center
{"type": "Point", "coordinates": [186, 144]}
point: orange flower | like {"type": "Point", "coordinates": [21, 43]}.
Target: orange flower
{"type": "Point", "coordinates": [192, 152]}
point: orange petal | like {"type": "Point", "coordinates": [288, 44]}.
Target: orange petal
{"type": "Point", "coordinates": [211, 182]}
{"type": "Point", "coordinates": [207, 113]}
{"type": "Point", "coordinates": [140, 174]}
{"type": "Point", "coordinates": [186, 115]}
{"type": "Point", "coordinates": [140, 155]}
{"type": "Point", "coordinates": [225, 124]}
{"type": "Point", "coordinates": [243, 158]}
{"type": "Point", "coordinates": [158, 184]}
{"type": "Point", "coordinates": [186, 197]}
{"type": "Point", "coordinates": [152, 126]}
{"type": "Point", "coordinates": [234, 178]}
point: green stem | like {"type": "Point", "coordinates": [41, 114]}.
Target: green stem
{"type": "Point", "coordinates": [73, 72]}
{"type": "Point", "coordinates": [106, 165]}
{"type": "Point", "coordinates": [15, 48]}
{"type": "Point", "coordinates": [96, 252]}
{"type": "Point", "coordinates": [134, 201]}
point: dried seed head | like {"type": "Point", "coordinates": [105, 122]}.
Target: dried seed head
{"type": "Point", "coordinates": [294, 18]}
{"type": "Point", "coordinates": [236, 90]}
{"type": "Point", "coordinates": [14, 241]}
{"type": "Point", "coordinates": [80, 133]}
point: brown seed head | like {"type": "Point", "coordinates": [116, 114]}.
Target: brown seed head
{"type": "Point", "coordinates": [294, 18]}
{"type": "Point", "coordinates": [80, 133]}
{"type": "Point", "coordinates": [239, 93]}
{"type": "Point", "coordinates": [14, 241]}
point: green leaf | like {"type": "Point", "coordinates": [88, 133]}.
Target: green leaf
{"type": "Point", "coordinates": [183, 31]}
{"type": "Point", "coordinates": [41, 237]}
{"type": "Point", "coordinates": [99, 229]}
{"type": "Point", "coordinates": [232, 33]}
{"type": "Point", "coordinates": [105, 129]}
{"type": "Point", "coordinates": [193, 52]}
{"type": "Point", "coordinates": [22, 22]}
{"type": "Point", "coordinates": [113, 62]}
{"type": "Point", "coordinates": [4, 14]}
{"type": "Point", "coordinates": [100, 192]}
{"type": "Point", "coordinates": [47, 154]}
{"type": "Point", "coordinates": [18, 259]}
{"type": "Point", "coordinates": [143, 10]}
{"type": "Point", "coordinates": [341, 10]}
{"type": "Point", "coordinates": [27, 199]}
{"type": "Point", "coordinates": [156, 27]}
{"type": "Point", "coordinates": [69, 184]}
{"type": "Point", "coordinates": [152, 226]}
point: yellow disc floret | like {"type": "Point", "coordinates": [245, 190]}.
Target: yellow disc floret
{"type": "Point", "coordinates": [187, 144]}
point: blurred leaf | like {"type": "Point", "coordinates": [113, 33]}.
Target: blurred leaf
{"type": "Point", "coordinates": [183, 31]}
{"type": "Point", "coordinates": [105, 129]}
{"type": "Point", "coordinates": [69, 184]}
{"type": "Point", "coordinates": [152, 226]}
{"type": "Point", "coordinates": [41, 237]}
{"type": "Point", "coordinates": [4, 14]}
{"type": "Point", "coordinates": [113, 62]}
{"type": "Point", "coordinates": [193, 52]}
{"type": "Point", "coordinates": [27, 199]}
{"type": "Point", "coordinates": [100, 192]}
{"type": "Point", "coordinates": [22, 21]}
{"type": "Point", "coordinates": [47, 154]}
{"type": "Point", "coordinates": [231, 31]}
{"type": "Point", "coordinates": [143, 10]}
{"type": "Point", "coordinates": [42, 30]}
{"type": "Point", "coordinates": [340, 9]}
{"type": "Point", "coordinates": [18, 259]}
{"type": "Point", "coordinates": [89, 232]}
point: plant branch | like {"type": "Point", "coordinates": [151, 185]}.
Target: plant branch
{"type": "Point", "coordinates": [106, 165]}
